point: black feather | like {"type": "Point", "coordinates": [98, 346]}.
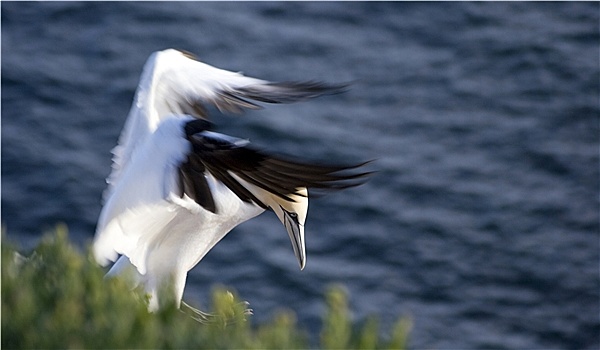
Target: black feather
{"type": "Point", "coordinates": [276, 174]}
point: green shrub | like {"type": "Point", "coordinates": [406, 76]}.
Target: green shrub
{"type": "Point", "coordinates": [57, 298]}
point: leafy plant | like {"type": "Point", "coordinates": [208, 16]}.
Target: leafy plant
{"type": "Point", "coordinates": [58, 298]}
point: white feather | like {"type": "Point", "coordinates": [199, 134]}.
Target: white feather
{"type": "Point", "coordinates": [161, 233]}
{"type": "Point", "coordinates": [169, 80]}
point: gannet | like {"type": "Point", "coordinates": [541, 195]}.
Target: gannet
{"type": "Point", "coordinates": [177, 187]}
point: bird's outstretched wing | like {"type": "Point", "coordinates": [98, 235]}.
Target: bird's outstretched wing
{"type": "Point", "coordinates": [235, 163]}
{"type": "Point", "coordinates": [184, 85]}
{"type": "Point", "coordinates": [175, 82]}
{"type": "Point", "coordinates": [269, 181]}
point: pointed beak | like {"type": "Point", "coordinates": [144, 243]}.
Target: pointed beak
{"type": "Point", "coordinates": [296, 232]}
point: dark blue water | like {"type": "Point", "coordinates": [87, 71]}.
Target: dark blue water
{"type": "Point", "coordinates": [482, 223]}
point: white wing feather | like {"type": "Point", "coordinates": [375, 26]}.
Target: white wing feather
{"type": "Point", "coordinates": [170, 84]}
{"type": "Point", "coordinates": [138, 208]}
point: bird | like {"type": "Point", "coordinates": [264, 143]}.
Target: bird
{"type": "Point", "coordinates": [177, 186]}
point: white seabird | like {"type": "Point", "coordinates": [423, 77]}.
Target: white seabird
{"type": "Point", "coordinates": [177, 188]}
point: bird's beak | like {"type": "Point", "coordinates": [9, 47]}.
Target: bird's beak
{"type": "Point", "coordinates": [296, 232]}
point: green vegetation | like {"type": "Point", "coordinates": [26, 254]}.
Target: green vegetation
{"type": "Point", "coordinates": [57, 298]}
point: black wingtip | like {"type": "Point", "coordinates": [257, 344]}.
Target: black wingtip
{"type": "Point", "coordinates": [290, 91]}
{"type": "Point", "coordinates": [321, 178]}
{"type": "Point", "coordinates": [316, 86]}
{"type": "Point", "coordinates": [347, 177]}
{"type": "Point", "coordinates": [313, 88]}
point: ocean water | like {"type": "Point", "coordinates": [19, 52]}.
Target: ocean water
{"type": "Point", "coordinates": [482, 223]}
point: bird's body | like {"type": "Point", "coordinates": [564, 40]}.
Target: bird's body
{"type": "Point", "coordinates": [177, 188]}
